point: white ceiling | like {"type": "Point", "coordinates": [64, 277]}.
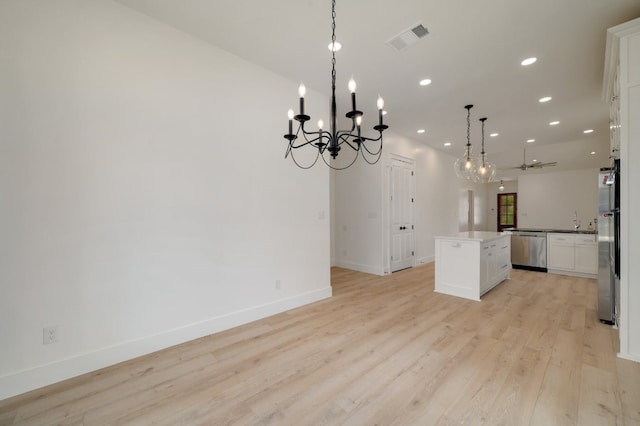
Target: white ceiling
{"type": "Point", "coordinates": [472, 55]}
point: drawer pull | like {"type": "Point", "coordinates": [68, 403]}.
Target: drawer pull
{"type": "Point", "coordinates": [455, 245]}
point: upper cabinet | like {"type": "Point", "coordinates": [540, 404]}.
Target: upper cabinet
{"type": "Point", "coordinates": [621, 74]}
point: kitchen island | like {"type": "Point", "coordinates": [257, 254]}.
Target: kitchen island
{"type": "Point", "coordinates": [469, 264]}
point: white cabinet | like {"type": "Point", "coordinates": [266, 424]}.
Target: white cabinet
{"type": "Point", "coordinates": [470, 264]}
{"type": "Point", "coordinates": [560, 252]}
{"type": "Point", "coordinates": [572, 254]}
{"type": "Point", "coordinates": [586, 253]}
{"type": "Point", "coordinates": [495, 263]}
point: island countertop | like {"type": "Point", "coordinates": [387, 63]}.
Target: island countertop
{"type": "Point", "coordinates": [473, 236]}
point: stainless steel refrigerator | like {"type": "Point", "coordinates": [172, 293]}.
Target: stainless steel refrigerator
{"type": "Point", "coordinates": [609, 243]}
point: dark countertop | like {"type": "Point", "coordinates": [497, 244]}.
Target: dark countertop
{"type": "Point", "coordinates": [559, 231]}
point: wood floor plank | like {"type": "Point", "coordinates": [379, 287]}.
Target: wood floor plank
{"type": "Point", "coordinates": [629, 390]}
{"type": "Point", "coordinates": [382, 350]}
{"type": "Point", "coordinates": [515, 401]}
{"type": "Point", "coordinates": [434, 396]}
{"type": "Point", "coordinates": [600, 402]}
{"type": "Point", "coordinates": [559, 397]}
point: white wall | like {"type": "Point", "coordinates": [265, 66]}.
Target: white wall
{"type": "Point", "coordinates": [358, 217]}
{"type": "Point", "coordinates": [144, 196]}
{"type": "Point", "coordinates": [548, 200]}
{"type": "Point", "coordinates": [361, 206]}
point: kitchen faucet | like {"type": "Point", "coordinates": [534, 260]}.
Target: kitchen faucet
{"type": "Point", "coordinates": [576, 222]}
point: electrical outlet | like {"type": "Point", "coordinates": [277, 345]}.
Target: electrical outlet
{"type": "Point", "coordinates": [49, 335]}
{"type": "Point", "coordinates": [278, 284]}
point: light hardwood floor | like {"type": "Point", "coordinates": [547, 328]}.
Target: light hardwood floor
{"type": "Point", "coordinates": [383, 350]}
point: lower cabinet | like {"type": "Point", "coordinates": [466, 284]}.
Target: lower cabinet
{"type": "Point", "coordinates": [470, 268]}
{"type": "Point", "coordinates": [495, 263]}
{"type": "Point", "coordinates": [572, 253]}
{"type": "Point", "coordinates": [561, 252]}
{"type": "Point", "coordinates": [586, 254]}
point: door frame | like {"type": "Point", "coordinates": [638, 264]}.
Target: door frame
{"type": "Point", "coordinates": [386, 197]}
{"type": "Point", "coordinates": [515, 211]}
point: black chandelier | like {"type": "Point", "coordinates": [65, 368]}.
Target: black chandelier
{"type": "Point", "coordinates": [332, 140]}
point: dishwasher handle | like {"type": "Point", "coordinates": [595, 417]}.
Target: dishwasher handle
{"type": "Point", "coordinates": [530, 235]}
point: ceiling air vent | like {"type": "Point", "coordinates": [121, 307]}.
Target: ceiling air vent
{"type": "Point", "coordinates": [408, 37]}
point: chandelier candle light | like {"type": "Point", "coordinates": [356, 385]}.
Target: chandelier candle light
{"type": "Point", "coordinates": [332, 139]}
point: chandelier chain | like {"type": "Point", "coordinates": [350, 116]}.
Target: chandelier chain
{"type": "Point", "coordinates": [333, 44]}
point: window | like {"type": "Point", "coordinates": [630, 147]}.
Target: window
{"type": "Point", "coordinates": [507, 211]}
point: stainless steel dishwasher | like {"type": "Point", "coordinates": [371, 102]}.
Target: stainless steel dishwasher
{"type": "Point", "coordinates": [529, 250]}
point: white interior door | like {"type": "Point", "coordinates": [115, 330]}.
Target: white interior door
{"type": "Point", "coordinates": [402, 223]}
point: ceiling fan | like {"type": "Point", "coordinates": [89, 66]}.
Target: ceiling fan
{"type": "Point", "coordinates": [535, 165]}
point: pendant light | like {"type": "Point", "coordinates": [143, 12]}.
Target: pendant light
{"type": "Point", "coordinates": [501, 187]}
{"type": "Point", "coordinates": [464, 165]}
{"type": "Point", "coordinates": [483, 171]}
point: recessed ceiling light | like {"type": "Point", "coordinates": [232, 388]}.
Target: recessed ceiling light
{"type": "Point", "coordinates": [530, 140]}
{"type": "Point", "coordinates": [534, 160]}
{"type": "Point", "coordinates": [545, 99]}
{"type": "Point", "coordinates": [588, 131]}
{"type": "Point", "coordinates": [554, 123]}
{"type": "Point", "coordinates": [334, 47]}
{"type": "Point", "coordinates": [528, 61]}
{"type": "Point", "coordinates": [493, 135]}
{"type": "Point", "coordinates": [425, 82]}
{"type": "Point", "coordinates": [421, 131]}
{"type": "Point", "coordinates": [447, 144]}
{"type": "Point", "coordinates": [593, 153]}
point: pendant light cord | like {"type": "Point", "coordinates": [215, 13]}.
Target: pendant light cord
{"type": "Point", "coordinates": [482, 120]}
{"type": "Point", "coordinates": [468, 107]}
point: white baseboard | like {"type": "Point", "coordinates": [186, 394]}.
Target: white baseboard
{"type": "Point", "coordinates": [37, 377]}
{"type": "Point", "coordinates": [361, 268]}
{"type": "Point", "coordinates": [376, 270]}
{"type": "Point", "coordinates": [424, 260]}
{"type": "Point", "coordinates": [629, 356]}
{"type": "Point", "coordinates": [572, 274]}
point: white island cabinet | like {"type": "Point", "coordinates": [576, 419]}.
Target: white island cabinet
{"type": "Point", "coordinates": [469, 264]}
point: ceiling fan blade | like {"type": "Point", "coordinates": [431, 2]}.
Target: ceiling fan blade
{"type": "Point", "coordinates": [540, 165]}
